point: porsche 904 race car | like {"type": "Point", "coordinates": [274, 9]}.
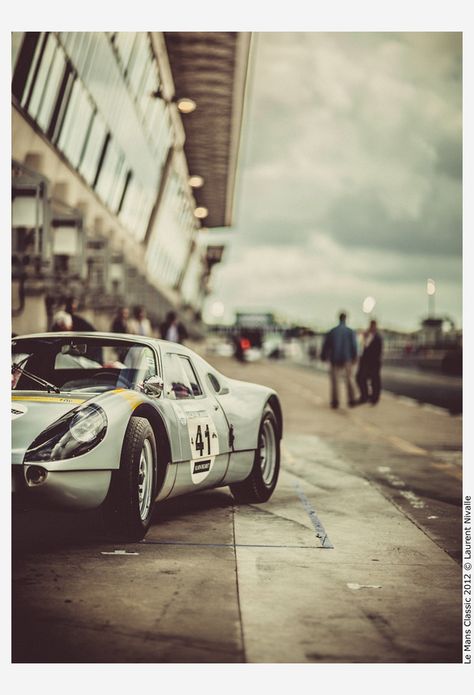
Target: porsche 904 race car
{"type": "Point", "coordinates": [123, 421]}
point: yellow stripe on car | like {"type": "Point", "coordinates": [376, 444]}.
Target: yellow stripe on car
{"type": "Point", "coordinates": [48, 399]}
{"type": "Point", "coordinates": [133, 399]}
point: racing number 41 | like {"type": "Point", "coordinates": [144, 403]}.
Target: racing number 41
{"type": "Point", "coordinates": [200, 441]}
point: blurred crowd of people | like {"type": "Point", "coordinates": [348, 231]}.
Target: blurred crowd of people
{"type": "Point", "coordinates": [135, 322]}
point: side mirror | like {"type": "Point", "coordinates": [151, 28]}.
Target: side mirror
{"type": "Point", "coordinates": [224, 390]}
{"type": "Point", "coordinates": [153, 386]}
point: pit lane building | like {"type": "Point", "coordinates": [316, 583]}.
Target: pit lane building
{"type": "Point", "coordinates": [124, 156]}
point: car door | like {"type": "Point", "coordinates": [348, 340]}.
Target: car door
{"type": "Point", "coordinates": [203, 428]}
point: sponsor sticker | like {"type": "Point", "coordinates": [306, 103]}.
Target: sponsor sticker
{"type": "Point", "coordinates": [18, 411]}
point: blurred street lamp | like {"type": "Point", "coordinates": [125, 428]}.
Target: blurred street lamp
{"type": "Point", "coordinates": [185, 105]}
{"type": "Point", "coordinates": [196, 181]}
{"type": "Point", "coordinates": [201, 213]}
{"type": "Point", "coordinates": [217, 309]}
{"type": "Point", "coordinates": [430, 291]}
{"type": "Point", "coordinates": [368, 305]}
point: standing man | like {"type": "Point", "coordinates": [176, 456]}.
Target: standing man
{"type": "Point", "coordinates": [340, 348]}
{"type": "Point", "coordinates": [120, 322]}
{"type": "Point", "coordinates": [172, 329]}
{"type": "Point", "coordinates": [140, 323]}
{"type": "Point", "coordinates": [78, 322]}
{"type": "Point", "coordinates": [369, 366]}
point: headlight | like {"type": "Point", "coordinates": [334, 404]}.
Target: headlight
{"type": "Point", "coordinates": [72, 435]}
{"type": "Point", "coordinates": [87, 424]}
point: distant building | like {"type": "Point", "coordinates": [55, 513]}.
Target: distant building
{"type": "Point", "coordinates": [113, 173]}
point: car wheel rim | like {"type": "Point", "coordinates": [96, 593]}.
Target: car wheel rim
{"type": "Point", "coordinates": [145, 479]}
{"type": "Point", "coordinates": [267, 452]}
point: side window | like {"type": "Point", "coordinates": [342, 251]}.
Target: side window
{"type": "Point", "coordinates": [214, 382]}
{"type": "Point", "coordinates": [191, 374]}
{"type": "Point", "coordinates": [177, 382]}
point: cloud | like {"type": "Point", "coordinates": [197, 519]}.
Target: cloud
{"type": "Point", "coordinates": [314, 282]}
{"type": "Point", "coordinates": [353, 141]}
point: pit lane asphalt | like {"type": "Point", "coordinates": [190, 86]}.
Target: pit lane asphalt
{"type": "Point", "coordinates": [217, 582]}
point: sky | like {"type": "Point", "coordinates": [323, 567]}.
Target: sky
{"type": "Point", "coordinates": [349, 182]}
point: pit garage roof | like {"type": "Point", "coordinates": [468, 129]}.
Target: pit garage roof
{"type": "Point", "coordinates": [211, 69]}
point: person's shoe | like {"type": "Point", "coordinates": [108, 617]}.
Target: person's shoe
{"type": "Point", "coordinates": [351, 404]}
{"type": "Point", "coordinates": [334, 405]}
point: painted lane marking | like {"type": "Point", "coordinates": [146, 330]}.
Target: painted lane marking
{"type": "Point", "coordinates": [118, 552]}
{"type": "Point", "coordinates": [406, 447]}
{"type": "Point", "coordinates": [355, 587]}
{"type": "Point", "coordinates": [415, 501]}
{"type": "Point", "coordinates": [398, 442]}
{"type": "Point", "coordinates": [318, 527]}
{"type": "Point", "coordinates": [449, 468]}
{"type": "Point", "coordinates": [392, 479]}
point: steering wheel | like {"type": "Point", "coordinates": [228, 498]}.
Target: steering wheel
{"type": "Point", "coordinates": [104, 376]}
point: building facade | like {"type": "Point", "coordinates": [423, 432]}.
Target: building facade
{"type": "Point", "coordinates": [103, 203]}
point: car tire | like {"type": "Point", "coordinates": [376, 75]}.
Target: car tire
{"type": "Point", "coordinates": [128, 509]}
{"type": "Point", "coordinates": [261, 482]}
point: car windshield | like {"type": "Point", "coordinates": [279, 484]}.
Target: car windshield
{"type": "Point", "coordinates": [80, 364]}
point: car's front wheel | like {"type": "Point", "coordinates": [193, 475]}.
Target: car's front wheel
{"type": "Point", "coordinates": [259, 486]}
{"type": "Point", "coordinates": [129, 505]}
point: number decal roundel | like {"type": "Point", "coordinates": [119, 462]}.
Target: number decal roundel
{"type": "Point", "coordinates": [204, 445]}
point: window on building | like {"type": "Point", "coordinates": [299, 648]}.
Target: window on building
{"type": "Point", "coordinates": [26, 65]}
{"type": "Point", "coordinates": [76, 124]}
{"type": "Point", "coordinates": [124, 43]}
{"type": "Point", "coordinates": [41, 78]}
{"type": "Point", "coordinates": [138, 61]}
{"type": "Point", "coordinates": [117, 187]}
{"type": "Point", "coordinates": [17, 40]}
{"type": "Point", "coordinates": [93, 148]}
{"type": "Point", "coordinates": [106, 178]}
{"type": "Point", "coordinates": [51, 89]}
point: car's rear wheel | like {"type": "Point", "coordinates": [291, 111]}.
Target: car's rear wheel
{"type": "Point", "coordinates": [129, 505]}
{"type": "Point", "coordinates": [260, 484]}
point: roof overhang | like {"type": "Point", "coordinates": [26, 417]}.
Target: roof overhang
{"type": "Point", "coordinates": [211, 69]}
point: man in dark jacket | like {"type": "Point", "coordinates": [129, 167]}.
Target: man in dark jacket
{"type": "Point", "coordinates": [340, 348]}
{"type": "Point", "coordinates": [369, 366]}
{"type": "Point", "coordinates": [78, 322]}
{"type": "Point", "coordinates": [172, 329]}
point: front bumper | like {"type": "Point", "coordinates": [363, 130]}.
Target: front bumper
{"type": "Point", "coordinates": [75, 490]}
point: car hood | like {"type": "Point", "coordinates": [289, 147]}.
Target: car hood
{"type": "Point", "coordinates": [33, 412]}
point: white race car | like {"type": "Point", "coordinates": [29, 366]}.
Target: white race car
{"type": "Point", "coordinates": [123, 421]}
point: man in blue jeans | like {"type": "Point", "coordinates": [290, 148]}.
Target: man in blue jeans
{"type": "Point", "coordinates": [340, 348]}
